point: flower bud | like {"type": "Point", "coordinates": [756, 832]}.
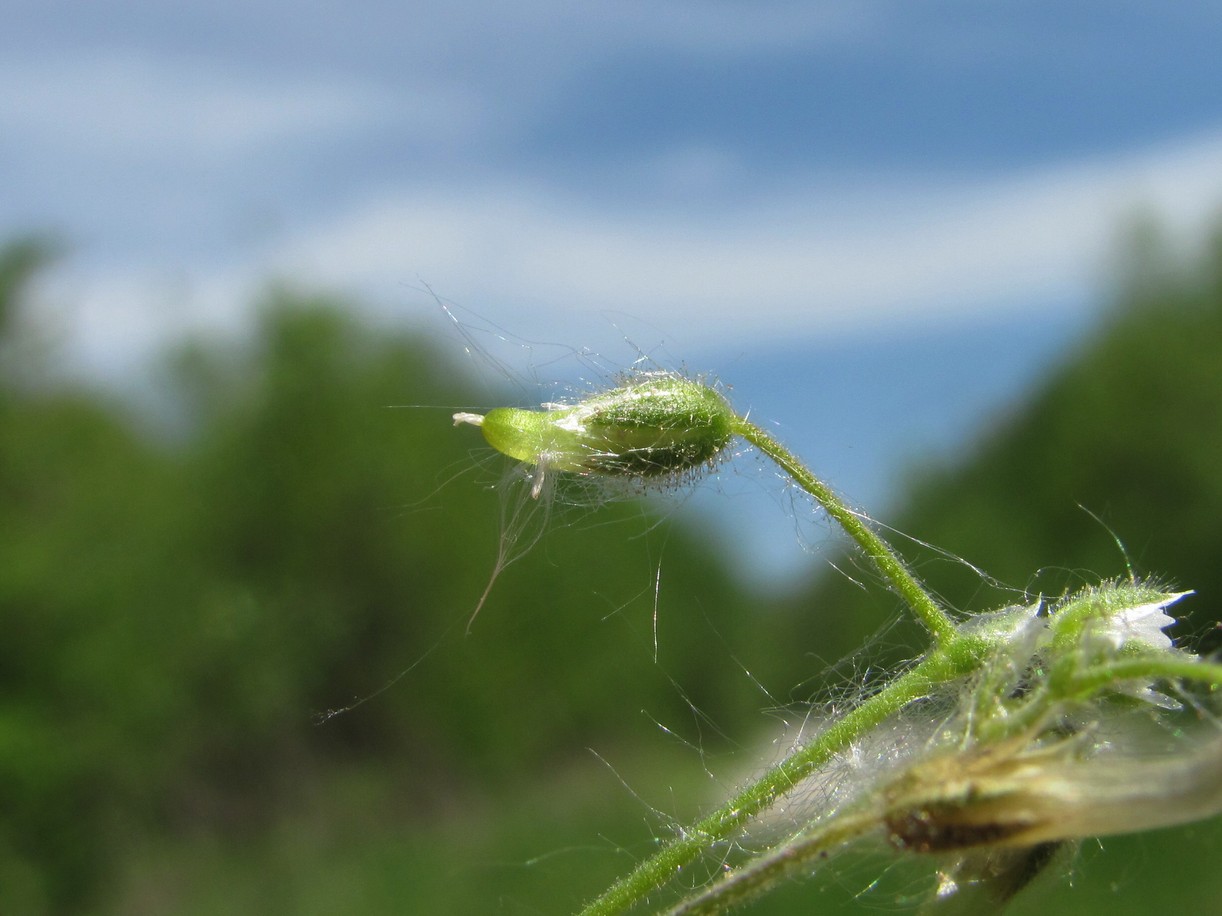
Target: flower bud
{"type": "Point", "coordinates": [1118, 615]}
{"type": "Point", "coordinates": [654, 425]}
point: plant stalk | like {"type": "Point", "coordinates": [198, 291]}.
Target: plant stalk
{"type": "Point", "coordinates": [889, 564]}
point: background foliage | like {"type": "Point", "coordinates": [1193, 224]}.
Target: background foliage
{"type": "Point", "coordinates": [182, 598]}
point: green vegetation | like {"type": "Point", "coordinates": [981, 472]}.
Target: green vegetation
{"type": "Point", "coordinates": [180, 603]}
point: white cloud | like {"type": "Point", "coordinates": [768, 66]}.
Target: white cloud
{"type": "Point", "coordinates": [833, 258]}
{"type": "Point", "coordinates": [828, 257]}
{"type": "Point", "coordinates": [439, 73]}
{"type": "Point", "coordinates": [827, 253]}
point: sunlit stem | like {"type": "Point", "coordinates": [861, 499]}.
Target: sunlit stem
{"type": "Point", "coordinates": [889, 564]}
{"type": "Point", "coordinates": [794, 858]}
{"type": "Point", "coordinates": [939, 667]}
{"type": "Point", "coordinates": [955, 657]}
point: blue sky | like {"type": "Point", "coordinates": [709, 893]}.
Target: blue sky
{"type": "Point", "coordinates": [759, 181]}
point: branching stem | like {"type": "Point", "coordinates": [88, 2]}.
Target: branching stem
{"type": "Point", "coordinates": [634, 887]}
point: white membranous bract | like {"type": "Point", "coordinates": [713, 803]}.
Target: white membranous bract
{"type": "Point", "coordinates": [1016, 732]}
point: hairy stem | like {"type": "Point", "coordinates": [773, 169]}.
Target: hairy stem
{"type": "Point", "coordinates": [942, 665]}
{"type": "Point", "coordinates": [793, 857]}
{"type": "Point", "coordinates": [1147, 668]}
{"type": "Point", "coordinates": [889, 564]}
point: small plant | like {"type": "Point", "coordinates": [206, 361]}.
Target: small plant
{"type": "Point", "coordinates": [1017, 730]}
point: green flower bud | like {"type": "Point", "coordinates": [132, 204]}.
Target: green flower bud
{"type": "Point", "coordinates": [657, 424]}
{"type": "Point", "coordinates": [1118, 615]}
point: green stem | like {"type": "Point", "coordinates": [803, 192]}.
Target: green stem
{"type": "Point", "coordinates": [1146, 668]}
{"type": "Point", "coordinates": [954, 656]}
{"type": "Point", "coordinates": [888, 563]}
{"type": "Point", "coordinates": [795, 857]}
{"type": "Point", "coordinates": [938, 667]}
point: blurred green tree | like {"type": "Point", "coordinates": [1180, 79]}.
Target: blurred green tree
{"type": "Point", "coordinates": [179, 605]}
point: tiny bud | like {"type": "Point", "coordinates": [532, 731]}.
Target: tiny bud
{"type": "Point", "coordinates": [654, 425]}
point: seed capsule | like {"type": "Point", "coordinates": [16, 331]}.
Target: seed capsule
{"type": "Point", "coordinates": [654, 425]}
{"type": "Point", "coordinates": [1015, 795]}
